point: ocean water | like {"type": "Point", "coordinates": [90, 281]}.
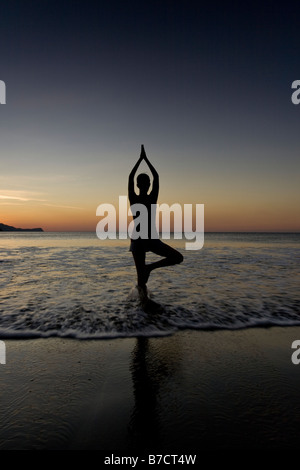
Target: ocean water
{"type": "Point", "coordinates": [74, 285]}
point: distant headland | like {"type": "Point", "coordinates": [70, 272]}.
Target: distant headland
{"type": "Point", "coordinates": [8, 228]}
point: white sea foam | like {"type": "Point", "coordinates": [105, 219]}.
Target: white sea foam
{"type": "Point", "coordinates": [71, 285]}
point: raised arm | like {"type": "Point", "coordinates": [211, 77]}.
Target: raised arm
{"type": "Point", "coordinates": [131, 192]}
{"type": "Point", "coordinates": [155, 184]}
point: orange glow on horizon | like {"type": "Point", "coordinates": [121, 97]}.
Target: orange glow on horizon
{"type": "Point", "coordinates": [221, 218]}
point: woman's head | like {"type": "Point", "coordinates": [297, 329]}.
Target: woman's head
{"type": "Point", "coordinates": [143, 182]}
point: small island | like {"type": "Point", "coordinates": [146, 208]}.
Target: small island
{"type": "Point", "coordinates": [8, 228]}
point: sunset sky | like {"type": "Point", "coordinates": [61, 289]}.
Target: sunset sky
{"type": "Point", "coordinates": [207, 90]}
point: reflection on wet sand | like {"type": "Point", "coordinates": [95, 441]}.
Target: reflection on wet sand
{"type": "Point", "coordinates": [152, 370]}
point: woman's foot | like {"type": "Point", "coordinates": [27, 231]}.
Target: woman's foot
{"type": "Point", "coordinates": [143, 293]}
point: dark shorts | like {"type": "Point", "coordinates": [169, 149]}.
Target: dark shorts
{"type": "Point", "coordinates": [141, 245]}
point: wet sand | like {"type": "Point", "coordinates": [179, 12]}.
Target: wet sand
{"type": "Point", "coordinates": [193, 391]}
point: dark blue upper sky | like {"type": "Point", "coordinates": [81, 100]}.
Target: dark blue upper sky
{"type": "Point", "coordinates": [207, 89]}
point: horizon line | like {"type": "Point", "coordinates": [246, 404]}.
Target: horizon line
{"type": "Point", "coordinates": [160, 233]}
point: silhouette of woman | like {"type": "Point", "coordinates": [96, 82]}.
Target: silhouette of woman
{"type": "Point", "coordinates": [140, 246]}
